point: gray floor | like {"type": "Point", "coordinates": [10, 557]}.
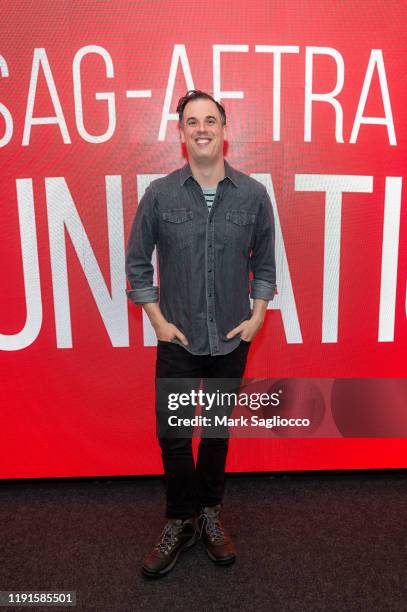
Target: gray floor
{"type": "Point", "coordinates": [304, 543]}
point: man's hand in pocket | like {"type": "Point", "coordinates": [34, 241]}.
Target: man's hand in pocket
{"type": "Point", "coordinates": [168, 331]}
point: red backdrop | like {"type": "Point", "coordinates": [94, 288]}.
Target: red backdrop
{"type": "Point", "coordinates": [315, 98]}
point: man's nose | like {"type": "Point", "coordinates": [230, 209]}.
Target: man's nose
{"type": "Point", "coordinates": [201, 126]}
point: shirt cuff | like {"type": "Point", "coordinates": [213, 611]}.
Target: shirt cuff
{"type": "Point", "coordinates": [262, 290]}
{"type": "Point", "coordinates": [146, 295]}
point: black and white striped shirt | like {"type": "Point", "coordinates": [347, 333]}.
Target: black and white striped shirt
{"type": "Point", "coordinates": [209, 193]}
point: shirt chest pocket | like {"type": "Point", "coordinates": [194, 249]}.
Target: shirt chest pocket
{"type": "Point", "coordinates": [176, 228]}
{"type": "Point", "coordinates": [239, 228]}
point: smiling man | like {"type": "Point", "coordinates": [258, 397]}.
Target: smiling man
{"type": "Point", "coordinates": [212, 225]}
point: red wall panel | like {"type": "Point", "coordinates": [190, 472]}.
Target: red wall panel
{"type": "Point", "coordinates": [76, 149]}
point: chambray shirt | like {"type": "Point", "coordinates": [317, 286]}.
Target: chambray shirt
{"type": "Point", "coordinates": [204, 257]}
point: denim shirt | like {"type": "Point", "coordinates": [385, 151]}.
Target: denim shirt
{"type": "Point", "coordinates": [204, 258]}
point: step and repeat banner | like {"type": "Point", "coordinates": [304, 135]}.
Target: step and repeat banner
{"type": "Point", "coordinates": [315, 95]}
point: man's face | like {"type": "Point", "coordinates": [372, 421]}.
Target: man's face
{"type": "Point", "coordinates": [202, 131]}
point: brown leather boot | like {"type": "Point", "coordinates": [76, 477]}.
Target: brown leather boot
{"type": "Point", "coordinates": [219, 546]}
{"type": "Point", "coordinates": [178, 535]}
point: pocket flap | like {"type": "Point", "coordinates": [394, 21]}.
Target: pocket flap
{"type": "Point", "coordinates": [240, 217]}
{"type": "Point", "coordinates": [177, 216]}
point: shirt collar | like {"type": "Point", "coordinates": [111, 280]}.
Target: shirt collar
{"type": "Point", "coordinates": [230, 173]}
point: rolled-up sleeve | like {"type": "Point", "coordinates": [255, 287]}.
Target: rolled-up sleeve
{"type": "Point", "coordinates": [140, 247]}
{"type": "Point", "coordinates": [263, 262]}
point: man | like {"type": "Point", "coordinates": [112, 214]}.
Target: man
{"type": "Point", "coordinates": [212, 225]}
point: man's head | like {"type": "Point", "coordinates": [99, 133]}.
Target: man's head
{"type": "Point", "coordinates": [202, 124]}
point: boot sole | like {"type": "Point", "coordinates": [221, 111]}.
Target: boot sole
{"type": "Point", "coordinates": [227, 561]}
{"type": "Point", "coordinates": [149, 574]}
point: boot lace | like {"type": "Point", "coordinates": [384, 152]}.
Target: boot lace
{"type": "Point", "coordinates": [212, 525]}
{"type": "Point", "coordinates": [169, 537]}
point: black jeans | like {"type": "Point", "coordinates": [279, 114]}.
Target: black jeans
{"type": "Point", "coordinates": [188, 488]}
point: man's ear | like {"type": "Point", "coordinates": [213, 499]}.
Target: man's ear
{"type": "Point", "coordinates": [225, 133]}
{"type": "Point", "coordinates": [181, 133]}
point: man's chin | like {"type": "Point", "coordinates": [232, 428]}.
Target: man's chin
{"type": "Point", "coordinates": [203, 156]}
{"type": "Point", "coordinates": [203, 152]}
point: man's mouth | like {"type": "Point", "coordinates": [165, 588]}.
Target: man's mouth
{"type": "Point", "coordinates": [202, 142]}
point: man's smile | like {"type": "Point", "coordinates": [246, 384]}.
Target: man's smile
{"type": "Point", "coordinates": [202, 141]}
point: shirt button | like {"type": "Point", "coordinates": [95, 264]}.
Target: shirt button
{"type": "Point", "coordinates": [209, 294]}
{"type": "Point", "coordinates": [211, 319]}
{"type": "Point", "coordinates": [209, 270]}
{"type": "Point", "coordinates": [210, 246]}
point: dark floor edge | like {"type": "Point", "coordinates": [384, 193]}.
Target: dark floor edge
{"type": "Point", "coordinates": [276, 474]}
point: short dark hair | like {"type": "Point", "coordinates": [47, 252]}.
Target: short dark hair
{"type": "Point", "coordinates": [195, 94]}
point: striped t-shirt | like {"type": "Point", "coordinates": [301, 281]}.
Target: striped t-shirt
{"type": "Point", "coordinates": [209, 193]}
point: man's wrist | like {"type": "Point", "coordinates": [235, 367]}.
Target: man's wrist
{"type": "Point", "coordinates": [155, 315]}
{"type": "Point", "coordinates": [158, 323]}
{"type": "Point", "coordinates": [259, 311]}
{"type": "Point", "coordinates": [257, 317]}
